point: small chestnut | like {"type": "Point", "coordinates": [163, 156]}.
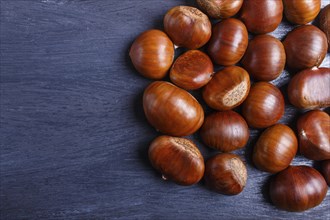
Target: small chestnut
{"type": "Point", "coordinates": [324, 22]}
{"type": "Point", "coordinates": [225, 131]}
{"type": "Point", "coordinates": [226, 174]}
{"type": "Point", "coordinates": [314, 135]}
{"type": "Point", "coordinates": [177, 159]}
{"type": "Point", "coordinates": [309, 89]}
{"type": "Point", "coordinates": [261, 16]}
{"type": "Point", "coordinates": [264, 58]}
{"type": "Point", "coordinates": [192, 70]}
{"type": "Point", "coordinates": [172, 110]}
{"type": "Point", "coordinates": [301, 11]}
{"type": "Point", "coordinates": [220, 9]}
{"type": "Point", "coordinates": [325, 170]}
{"type": "Point", "coordinates": [227, 89]}
{"type": "Point", "coordinates": [187, 27]}
{"type": "Point", "coordinates": [297, 188]}
{"type": "Point", "coordinates": [228, 42]}
{"type": "Point", "coordinates": [264, 105]}
{"type": "Point", "coordinates": [275, 148]}
{"type": "Point", "coordinates": [305, 47]}
{"type": "Point", "coordinates": [152, 54]}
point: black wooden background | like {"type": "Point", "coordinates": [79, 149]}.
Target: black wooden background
{"type": "Point", "coordinates": [74, 138]}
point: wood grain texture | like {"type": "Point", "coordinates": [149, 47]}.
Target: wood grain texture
{"type": "Point", "coordinates": [73, 134]}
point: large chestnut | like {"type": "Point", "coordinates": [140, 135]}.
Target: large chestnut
{"type": "Point", "coordinates": [298, 188]}
{"type": "Point", "coordinates": [172, 110]}
{"type": "Point", "coordinates": [301, 11]}
{"type": "Point", "coordinates": [310, 88]}
{"type": "Point", "coordinates": [314, 135]}
{"type": "Point", "coordinates": [177, 159]}
{"type": "Point", "coordinates": [187, 27]}
{"type": "Point", "coordinates": [220, 9]}
{"type": "Point", "coordinates": [152, 54]}
{"type": "Point", "coordinates": [264, 58]}
{"type": "Point", "coordinates": [227, 89]}
{"type": "Point", "coordinates": [325, 170]}
{"type": "Point", "coordinates": [275, 148]}
{"type": "Point", "coordinates": [305, 47]}
{"type": "Point", "coordinates": [192, 70]}
{"type": "Point", "coordinates": [228, 42]}
{"type": "Point", "coordinates": [261, 16]}
{"type": "Point", "coordinates": [225, 131]}
{"type": "Point", "coordinates": [264, 105]}
{"type": "Point", "coordinates": [324, 22]}
{"type": "Point", "coordinates": [226, 174]}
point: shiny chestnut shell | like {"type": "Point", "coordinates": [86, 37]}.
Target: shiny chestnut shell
{"type": "Point", "coordinates": [314, 135]}
{"type": "Point", "coordinates": [264, 58]}
{"type": "Point", "coordinates": [228, 42]}
{"type": "Point", "coordinates": [172, 110]}
{"type": "Point", "coordinates": [226, 174]}
{"type": "Point", "coordinates": [192, 70]}
{"type": "Point", "coordinates": [261, 16]}
{"type": "Point", "coordinates": [220, 9]}
{"type": "Point", "coordinates": [264, 105]}
{"type": "Point", "coordinates": [187, 27]}
{"type": "Point", "coordinates": [225, 131]}
{"type": "Point", "coordinates": [178, 159]}
{"type": "Point", "coordinates": [297, 188]}
{"type": "Point", "coordinates": [325, 170]}
{"type": "Point", "coordinates": [305, 47]}
{"type": "Point", "coordinates": [275, 148]}
{"type": "Point", "coordinates": [324, 23]}
{"type": "Point", "coordinates": [152, 54]}
{"type": "Point", "coordinates": [309, 89]}
{"type": "Point", "coordinates": [301, 11]}
{"type": "Point", "coordinates": [228, 88]}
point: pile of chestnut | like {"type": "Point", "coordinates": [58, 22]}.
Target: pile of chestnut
{"type": "Point", "coordinates": [175, 113]}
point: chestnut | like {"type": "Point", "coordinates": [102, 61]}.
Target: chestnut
{"type": "Point", "coordinates": [261, 16]}
{"type": "Point", "coordinates": [177, 159]}
{"type": "Point", "coordinates": [220, 9]}
{"type": "Point", "coordinates": [152, 54]}
{"type": "Point", "coordinates": [227, 89]}
{"type": "Point", "coordinates": [314, 135]}
{"type": "Point", "coordinates": [225, 131]}
{"type": "Point", "coordinates": [264, 105]}
{"type": "Point", "coordinates": [275, 148]}
{"type": "Point", "coordinates": [192, 70]}
{"type": "Point", "coordinates": [297, 188]}
{"type": "Point", "coordinates": [325, 170]}
{"type": "Point", "coordinates": [226, 174]}
{"type": "Point", "coordinates": [264, 58]}
{"type": "Point", "coordinates": [324, 23]}
{"type": "Point", "coordinates": [301, 11]}
{"type": "Point", "coordinates": [187, 27]}
{"type": "Point", "coordinates": [172, 110]}
{"type": "Point", "coordinates": [228, 42]}
{"type": "Point", "coordinates": [305, 47]}
{"type": "Point", "coordinates": [309, 89]}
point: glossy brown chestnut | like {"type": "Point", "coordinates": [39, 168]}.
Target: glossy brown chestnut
{"type": "Point", "coordinates": [298, 188]}
{"type": "Point", "coordinates": [192, 70]}
{"type": "Point", "coordinates": [261, 16]}
{"type": "Point", "coordinates": [172, 110]}
{"type": "Point", "coordinates": [310, 89]}
{"type": "Point", "coordinates": [152, 54]}
{"type": "Point", "coordinates": [264, 58]}
{"type": "Point", "coordinates": [314, 135]}
{"type": "Point", "coordinates": [226, 174]}
{"type": "Point", "coordinates": [275, 149]}
{"type": "Point", "coordinates": [225, 131]}
{"type": "Point", "coordinates": [177, 159]}
{"type": "Point", "coordinates": [228, 42]}
{"type": "Point", "coordinates": [227, 89]}
{"type": "Point", "coordinates": [324, 23]}
{"type": "Point", "coordinates": [305, 47]}
{"type": "Point", "coordinates": [325, 170]}
{"type": "Point", "coordinates": [264, 105]}
{"type": "Point", "coordinates": [301, 11]}
{"type": "Point", "coordinates": [220, 9]}
{"type": "Point", "coordinates": [187, 27]}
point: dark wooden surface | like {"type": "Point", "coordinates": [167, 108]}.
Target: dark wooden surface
{"type": "Point", "coordinates": [74, 138]}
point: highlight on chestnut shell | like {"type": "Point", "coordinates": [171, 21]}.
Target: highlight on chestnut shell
{"type": "Point", "coordinates": [220, 9]}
